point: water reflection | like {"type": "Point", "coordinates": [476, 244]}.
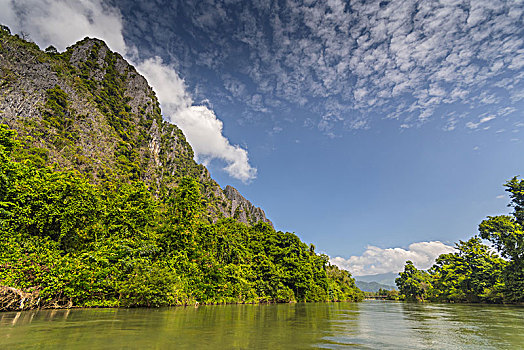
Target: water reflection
{"type": "Point", "coordinates": [368, 325]}
{"type": "Point", "coordinates": [467, 326]}
{"type": "Point", "coordinates": [230, 326]}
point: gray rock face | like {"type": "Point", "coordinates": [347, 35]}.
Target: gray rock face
{"type": "Point", "coordinates": [242, 209]}
{"type": "Point", "coordinates": [110, 126]}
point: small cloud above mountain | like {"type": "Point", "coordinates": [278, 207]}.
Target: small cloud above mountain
{"type": "Point", "coordinates": [377, 260]}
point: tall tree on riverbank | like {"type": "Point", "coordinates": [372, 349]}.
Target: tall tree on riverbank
{"type": "Point", "coordinates": [413, 283]}
{"type": "Point", "coordinates": [506, 232]}
{"type": "Point", "coordinates": [472, 274]}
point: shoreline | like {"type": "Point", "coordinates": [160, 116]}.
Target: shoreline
{"type": "Point", "coordinates": [19, 300]}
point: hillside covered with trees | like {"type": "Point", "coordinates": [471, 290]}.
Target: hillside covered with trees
{"type": "Point", "coordinates": [65, 241]}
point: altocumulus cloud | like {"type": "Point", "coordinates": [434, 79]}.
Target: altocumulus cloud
{"type": "Point", "coordinates": [350, 62]}
{"type": "Point", "coordinates": [63, 22]}
{"type": "Point", "coordinates": [376, 260]}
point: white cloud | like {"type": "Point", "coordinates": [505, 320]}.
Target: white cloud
{"type": "Point", "coordinates": [376, 260]}
{"type": "Point", "coordinates": [63, 22]}
{"type": "Point", "coordinates": [487, 118]}
{"type": "Point", "coordinates": [199, 123]}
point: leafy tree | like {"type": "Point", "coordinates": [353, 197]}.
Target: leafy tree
{"type": "Point", "coordinates": [475, 273]}
{"type": "Point", "coordinates": [5, 28]}
{"type": "Point", "coordinates": [183, 218]}
{"type": "Point", "coordinates": [341, 286]}
{"type": "Point", "coordinates": [129, 210]}
{"type": "Point", "coordinates": [51, 49]}
{"type": "Point", "coordinates": [7, 141]}
{"type": "Point", "coordinates": [413, 284]}
{"type": "Point", "coordinates": [506, 232]}
{"type": "Point", "coordinates": [472, 274]}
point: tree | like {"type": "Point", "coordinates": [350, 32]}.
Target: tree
{"type": "Point", "coordinates": [51, 49]}
{"type": "Point", "coordinates": [5, 29]}
{"type": "Point", "coordinates": [61, 205]}
{"type": "Point", "coordinates": [471, 274]}
{"type": "Point", "coordinates": [184, 216]}
{"type": "Point", "coordinates": [413, 283]}
{"type": "Point", "coordinates": [506, 232]}
{"type": "Point", "coordinates": [187, 203]}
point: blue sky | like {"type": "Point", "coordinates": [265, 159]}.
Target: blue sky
{"type": "Point", "coordinates": [377, 130]}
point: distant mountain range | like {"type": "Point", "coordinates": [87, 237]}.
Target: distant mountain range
{"type": "Point", "coordinates": [372, 286]}
{"type": "Point", "coordinates": [386, 280]}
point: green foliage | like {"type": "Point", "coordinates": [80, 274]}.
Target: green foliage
{"type": "Point", "coordinates": [115, 244]}
{"type": "Point", "coordinates": [60, 205]}
{"type": "Point", "coordinates": [59, 116]}
{"type": "Point", "coordinates": [413, 284]}
{"type": "Point", "coordinates": [7, 140]}
{"type": "Point", "coordinates": [152, 285]}
{"type": "Point", "coordinates": [390, 294]}
{"type": "Point", "coordinates": [127, 211]}
{"type": "Point", "coordinates": [57, 108]}
{"type": "Point", "coordinates": [51, 50]}
{"type": "Point", "coordinates": [341, 284]}
{"type": "Point", "coordinates": [506, 232]}
{"type": "Point", "coordinates": [4, 28]}
{"type": "Point", "coordinates": [472, 274]}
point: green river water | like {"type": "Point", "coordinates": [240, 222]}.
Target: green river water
{"type": "Point", "coordinates": [366, 325]}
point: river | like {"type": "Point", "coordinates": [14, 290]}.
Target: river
{"type": "Point", "coordinates": [366, 325]}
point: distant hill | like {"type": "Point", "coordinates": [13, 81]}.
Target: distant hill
{"type": "Point", "coordinates": [381, 278]}
{"type": "Point", "coordinates": [372, 286]}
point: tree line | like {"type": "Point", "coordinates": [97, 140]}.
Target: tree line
{"type": "Point", "coordinates": [477, 272]}
{"type": "Point", "coordinates": [73, 242]}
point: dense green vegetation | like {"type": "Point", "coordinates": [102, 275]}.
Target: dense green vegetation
{"type": "Point", "coordinates": [474, 273]}
{"type": "Point", "coordinates": [113, 243]}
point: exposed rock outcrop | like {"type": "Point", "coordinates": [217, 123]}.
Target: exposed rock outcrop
{"type": "Point", "coordinates": [242, 209]}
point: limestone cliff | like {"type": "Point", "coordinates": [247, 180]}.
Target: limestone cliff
{"type": "Point", "coordinates": [89, 109]}
{"type": "Point", "coordinates": [242, 209]}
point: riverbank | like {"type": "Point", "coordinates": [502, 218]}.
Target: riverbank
{"type": "Point", "coordinates": [14, 300]}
